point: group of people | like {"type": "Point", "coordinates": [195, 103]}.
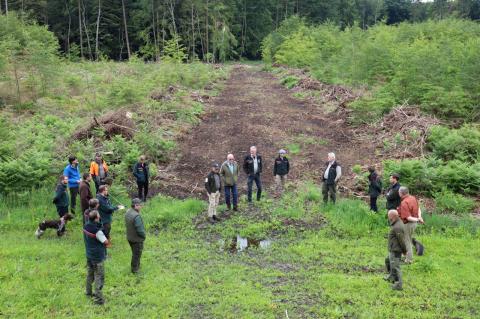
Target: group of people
{"type": "Point", "coordinates": [403, 209]}
{"type": "Point", "coordinates": [404, 214]}
{"type": "Point", "coordinates": [97, 214]}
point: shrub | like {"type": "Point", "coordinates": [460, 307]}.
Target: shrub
{"type": "Point", "coordinates": [448, 202]}
{"type": "Point", "coordinates": [416, 174]}
{"type": "Point", "coordinates": [449, 144]}
{"type": "Point", "coordinates": [290, 81]}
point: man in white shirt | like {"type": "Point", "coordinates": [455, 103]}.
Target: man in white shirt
{"type": "Point", "coordinates": [330, 177]}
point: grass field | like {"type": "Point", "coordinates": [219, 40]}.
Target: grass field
{"type": "Point", "coordinates": [323, 262]}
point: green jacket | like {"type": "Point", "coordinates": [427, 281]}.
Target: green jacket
{"type": "Point", "coordinates": [61, 196]}
{"type": "Point", "coordinates": [396, 238]}
{"type": "Point", "coordinates": [229, 178]}
{"type": "Point", "coordinates": [134, 225]}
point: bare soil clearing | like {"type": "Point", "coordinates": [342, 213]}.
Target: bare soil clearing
{"type": "Point", "coordinates": [255, 109]}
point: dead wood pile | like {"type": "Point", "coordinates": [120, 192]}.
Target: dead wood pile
{"type": "Point", "coordinates": [111, 124]}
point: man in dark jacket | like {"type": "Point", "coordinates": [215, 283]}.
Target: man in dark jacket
{"type": "Point", "coordinates": [396, 246]}
{"type": "Point", "coordinates": [281, 168]}
{"type": "Point", "coordinates": [61, 196]}
{"type": "Point", "coordinates": [213, 184]}
{"type": "Point", "coordinates": [135, 233]}
{"type": "Point", "coordinates": [374, 188]}
{"type": "Point", "coordinates": [252, 165]}
{"type": "Point", "coordinates": [392, 195]}
{"type": "Point", "coordinates": [95, 247]}
{"type": "Point", "coordinates": [106, 209]}
{"type": "Point", "coordinates": [330, 177]}
{"type": "Point", "coordinates": [85, 191]}
{"type": "Point", "coordinates": [141, 173]}
{"type": "Point", "coordinates": [72, 171]}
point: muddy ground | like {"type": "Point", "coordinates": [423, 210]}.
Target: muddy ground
{"type": "Point", "coordinates": [255, 109]}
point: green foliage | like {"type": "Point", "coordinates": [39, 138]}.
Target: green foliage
{"type": "Point", "coordinates": [174, 51]}
{"type": "Point", "coordinates": [290, 81]}
{"type": "Point", "coordinates": [432, 64]}
{"type": "Point", "coordinates": [416, 174]}
{"type": "Point", "coordinates": [462, 144]}
{"type": "Point", "coordinates": [155, 144]}
{"type": "Point", "coordinates": [28, 57]}
{"type": "Point", "coordinates": [448, 202]}
{"type": "Point", "coordinates": [164, 211]}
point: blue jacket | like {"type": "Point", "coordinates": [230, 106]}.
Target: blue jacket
{"type": "Point", "coordinates": [73, 174]}
{"type": "Point", "coordinates": [105, 209]}
{"type": "Point", "coordinates": [94, 249]}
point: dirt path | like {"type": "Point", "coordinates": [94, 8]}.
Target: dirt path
{"type": "Point", "coordinates": [255, 109]}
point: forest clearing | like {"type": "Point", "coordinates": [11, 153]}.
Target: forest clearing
{"type": "Point", "coordinates": [376, 96]}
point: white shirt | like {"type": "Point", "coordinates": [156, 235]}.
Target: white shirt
{"type": "Point", "coordinates": [255, 164]}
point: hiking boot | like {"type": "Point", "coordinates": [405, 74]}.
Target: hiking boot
{"type": "Point", "coordinates": [235, 208]}
{"type": "Point", "coordinates": [397, 286]}
{"type": "Point", "coordinates": [389, 278]}
{"type": "Point", "coordinates": [229, 207]}
{"type": "Point", "coordinates": [215, 218]}
{"type": "Point", "coordinates": [89, 294]}
{"type": "Point", "coordinates": [99, 301]}
{"type": "Point", "coordinates": [211, 220]}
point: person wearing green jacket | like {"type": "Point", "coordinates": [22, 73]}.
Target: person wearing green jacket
{"type": "Point", "coordinates": [229, 174]}
{"type": "Point", "coordinates": [135, 233]}
{"type": "Point", "coordinates": [106, 209]}
{"type": "Point", "coordinates": [396, 246]}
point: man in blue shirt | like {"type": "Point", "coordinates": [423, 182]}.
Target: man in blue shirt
{"type": "Point", "coordinates": [72, 172]}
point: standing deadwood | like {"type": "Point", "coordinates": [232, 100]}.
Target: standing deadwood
{"type": "Point", "coordinates": [80, 27]}
{"type": "Point", "coordinates": [200, 33]}
{"type": "Point", "coordinates": [126, 29]}
{"type": "Point", "coordinates": [154, 28]}
{"type": "Point", "coordinates": [67, 49]}
{"type": "Point", "coordinates": [86, 32]}
{"type": "Point", "coordinates": [98, 27]}
{"type": "Point", "coordinates": [6, 7]}
{"type": "Point", "coordinates": [206, 29]}
{"type": "Point", "coordinates": [193, 35]}
{"type": "Point", "coordinates": [171, 6]}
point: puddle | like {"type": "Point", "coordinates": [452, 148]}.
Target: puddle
{"type": "Point", "coordinates": [240, 243]}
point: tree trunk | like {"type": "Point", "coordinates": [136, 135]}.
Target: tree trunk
{"type": "Point", "coordinates": [126, 29]}
{"type": "Point", "coordinates": [154, 29]}
{"type": "Point", "coordinates": [86, 33]}
{"type": "Point", "coordinates": [80, 27]}
{"type": "Point", "coordinates": [206, 30]}
{"type": "Point", "coordinates": [193, 35]}
{"type": "Point", "coordinates": [67, 40]}
{"type": "Point", "coordinates": [17, 82]}
{"type": "Point", "coordinates": [200, 33]}
{"type": "Point", "coordinates": [98, 27]}
{"type": "Point", "coordinates": [6, 7]}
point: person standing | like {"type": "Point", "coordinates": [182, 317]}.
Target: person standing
{"type": "Point", "coordinates": [99, 171]}
{"type": "Point", "coordinates": [281, 168]}
{"type": "Point", "coordinates": [141, 173]}
{"type": "Point", "coordinates": [85, 191]}
{"type": "Point", "coordinates": [229, 174]}
{"type": "Point", "coordinates": [72, 171]}
{"type": "Point", "coordinates": [374, 188]}
{"type": "Point", "coordinates": [330, 177]}
{"type": "Point", "coordinates": [96, 244]}
{"type": "Point", "coordinates": [135, 233]}
{"type": "Point", "coordinates": [213, 184]}
{"type": "Point", "coordinates": [61, 196]}
{"type": "Point", "coordinates": [392, 196]}
{"type": "Point", "coordinates": [410, 214]}
{"type": "Point", "coordinates": [106, 209]}
{"type": "Point", "coordinates": [396, 246]}
{"type": "Point", "coordinates": [93, 204]}
{"type": "Point", "coordinates": [252, 166]}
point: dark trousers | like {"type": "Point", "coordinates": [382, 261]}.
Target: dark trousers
{"type": "Point", "coordinates": [231, 191]}
{"type": "Point", "coordinates": [98, 183]}
{"type": "Point", "coordinates": [329, 189]}
{"type": "Point", "coordinates": [373, 204]}
{"type": "Point", "coordinates": [73, 199]}
{"type": "Point", "coordinates": [137, 249]}
{"type": "Point", "coordinates": [258, 182]}
{"type": "Point", "coordinates": [95, 274]}
{"type": "Point", "coordinates": [62, 210]}
{"type": "Point", "coordinates": [392, 262]}
{"type": "Point", "coordinates": [106, 230]}
{"type": "Point", "coordinates": [142, 190]}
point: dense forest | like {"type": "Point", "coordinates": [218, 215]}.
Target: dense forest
{"type": "Point", "coordinates": [210, 30]}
